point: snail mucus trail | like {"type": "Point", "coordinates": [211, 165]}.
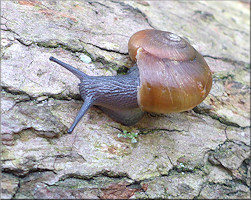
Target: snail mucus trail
{"type": "Point", "coordinates": [169, 76]}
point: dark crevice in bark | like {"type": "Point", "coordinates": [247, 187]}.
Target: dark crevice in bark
{"type": "Point", "coordinates": [96, 2]}
{"type": "Point", "coordinates": [134, 10]}
{"type": "Point", "coordinates": [51, 44]}
{"type": "Point", "coordinates": [229, 60]}
{"type": "Point", "coordinates": [22, 173]}
{"type": "Point", "coordinates": [146, 131]}
{"type": "Point", "coordinates": [57, 44]}
{"type": "Point", "coordinates": [44, 134]}
{"type": "Point", "coordinates": [219, 118]}
{"type": "Point", "coordinates": [214, 161]}
{"type": "Point", "coordinates": [104, 49]}
{"type": "Point", "coordinates": [103, 173]}
{"type": "Point", "coordinates": [27, 44]}
{"type": "Point", "coordinates": [53, 96]}
{"type": "Point", "coordinates": [203, 185]}
{"type": "Point", "coordinates": [227, 185]}
{"type": "Point", "coordinates": [17, 189]}
{"type": "Point", "coordinates": [15, 92]}
{"type": "Point", "coordinates": [66, 47]}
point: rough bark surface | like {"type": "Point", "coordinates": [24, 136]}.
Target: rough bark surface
{"type": "Point", "coordinates": [203, 153]}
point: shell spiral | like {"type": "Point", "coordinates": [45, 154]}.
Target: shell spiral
{"type": "Point", "coordinates": [174, 77]}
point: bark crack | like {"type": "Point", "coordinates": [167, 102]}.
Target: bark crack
{"type": "Point", "coordinates": [22, 174]}
{"type": "Point", "coordinates": [222, 120]}
{"type": "Point", "coordinates": [135, 10]}
{"type": "Point", "coordinates": [53, 44]}
{"type": "Point", "coordinates": [17, 189]}
{"type": "Point", "coordinates": [76, 97]}
{"type": "Point", "coordinates": [102, 173]}
{"type": "Point", "coordinates": [104, 49]}
{"type": "Point", "coordinates": [229, 60]}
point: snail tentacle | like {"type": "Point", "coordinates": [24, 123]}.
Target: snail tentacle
{"type": "Point", "coordinates": [75, 71]}
{"type": "Point", "coordinates": [86, 105]}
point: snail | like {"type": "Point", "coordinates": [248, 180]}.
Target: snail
{"type": "Point", "coordinates": [169, 76]}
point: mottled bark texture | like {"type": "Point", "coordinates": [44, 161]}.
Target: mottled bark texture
{"type": "Point", "coordinates": [203, 153]}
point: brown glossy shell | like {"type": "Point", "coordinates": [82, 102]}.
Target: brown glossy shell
{"type": "Point", "coordinates": [174, 77]}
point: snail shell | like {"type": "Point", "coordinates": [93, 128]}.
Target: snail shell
{"type": "Point", "coordinates": [170, 76]}
{"type": "Point", "coordinates": [174, 77]}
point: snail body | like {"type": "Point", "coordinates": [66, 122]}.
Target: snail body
{"type": "Point", "coordinates": [169, 76]}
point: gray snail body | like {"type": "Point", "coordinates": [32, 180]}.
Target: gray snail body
{"type": "Point", "coordinates": [114, 95]}
{"type": "Point", "coordinates": [152, 85]}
